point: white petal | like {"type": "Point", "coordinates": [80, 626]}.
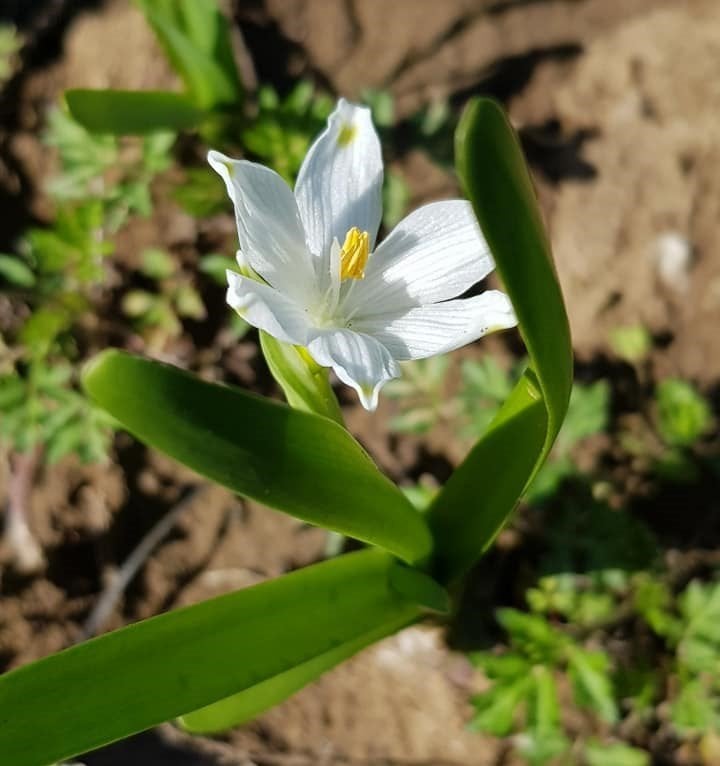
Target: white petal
{"type": "Point", "coordinates": [340, 182]}
{"type": "Point", "coordinates": [436, 253]}
{"type": "Point", "coordinates": [440, 327]}
{"type": "Point", "coordinates": [358, 360]}
{"type": "Point", "coordinates": [272, 239]}
{"type": "Point", "coordinates": [268, 309]}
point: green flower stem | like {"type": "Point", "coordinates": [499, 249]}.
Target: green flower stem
{"type": "Point", "coordinates": [305, 383]}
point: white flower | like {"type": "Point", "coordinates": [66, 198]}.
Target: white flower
{"type": "Point", "coordinates": [356, 308]}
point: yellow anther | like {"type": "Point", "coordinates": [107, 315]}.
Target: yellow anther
{"type": "Point", "coordinates": [354, 254]}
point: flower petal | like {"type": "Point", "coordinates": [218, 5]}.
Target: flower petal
{"type": "Point", "coordinates": [358, 360]}
{"type": "Point", "coordinates": [272, 239]}
{"type": "Point", "coordinates": [340, 182]}
{"type": "Point", "coordinates": [436, 253]}
{"type": "Point", "coordinates": [268, 309]}
{"type": "Point", "coordinates": [440, 327]}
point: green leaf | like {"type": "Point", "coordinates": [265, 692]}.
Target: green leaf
{"type": "Point", "coordinates": [216, 267]}
{"type": "Point", "coordinates": [615, 754]}
{"type": "Point", "coordinates": [305, 384]}
{"type": "Point", "coordinates": [83, 155]}
{"type": "Point", "coordinates": [481, 494]}
{"type": "Point", "coordinates": [544, 707]}
{"type": "Point", "coordinates": [589, 672]}
{"type": "Point", "coordinates": [695, 709]}
{"type": "Point", "coordinates": [653, 600]}
{"type": "Point", "coordinates": [504, 667]}
{"type": "Point", "coordinates": [484, 489]}
{"type": "Point", "coordinates": [167, 666]}
{"type": "Point", "coordinates": [157, 263]}
{"type": "Point", "coordinates": [14, 271]}
{"type": "Point", "coordinates": [123, 112]}
{"type": "Point", "coordinates": [497, 709]}
{"type": "Point", "coordinates": [201, 196]}
{"type": "Point", "coordinates": [633, 343]}
{"type": "Point", "coordinates": [683, 414]}
{"type": "Point", "coordinates": [587, 415]}
{"type": "Point", "coordinates": [246, 705]}
{"type": "Point", "coordinates": [189, 303]}
{"type": "Point", "coordinates": [137, 303]}
{"type": "Point", "coordinates": [542, 748]}
{"type": "Point", "coordinates": [43, 327]}
{"type": "Point", "coordinates": [396, 195]}
{"type": "Point", "coordinates": [533, 634]}
{"type": "Point", "coordinates": [303, 464]}
{"type": "Point", "coordinates": [196, 40]}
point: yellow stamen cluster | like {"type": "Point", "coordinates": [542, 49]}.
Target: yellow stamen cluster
{"type": "Point", "coordinates": [354, 254]}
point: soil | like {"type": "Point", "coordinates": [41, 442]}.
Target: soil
{"type": "Point", "coordinates": [616, 102]}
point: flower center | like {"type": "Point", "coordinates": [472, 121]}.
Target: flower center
{"type": "Point", "coordinates": [354, 254]}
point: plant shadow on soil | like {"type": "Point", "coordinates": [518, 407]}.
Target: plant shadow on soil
{"type": "Point", "coordinates": [149, 747]}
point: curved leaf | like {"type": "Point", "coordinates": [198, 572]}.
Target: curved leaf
{"type": "Point", "coordinates": [477, 500]}
{"type": "Point", "coordinates": [305, 465]}
{"type": "Point", "coordinates": [161, 668]}
{"type": "Point", "coordinates": [127, 112]}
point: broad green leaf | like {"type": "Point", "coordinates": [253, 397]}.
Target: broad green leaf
{"type": "Point", "coordinates": [305, 465]}
{"type": "Point", "coordinates": [251, 702]}
{"type": "Point", "coordinates": [481, 494]}
{"type": "Point", "coordinates": [304, 383]}
{"type": "Point", "coordinates": [247, 704]}
{"type": "Point", "coordinates": [164, 667]}
{"type": "Point", "coordinates": [123, 112]}
{"type": "Point", "coordinates": [497, 180]}
{"type": "Point", "coordinates": [196, 40]}
{"type": "Point", "coordinates": [484, 489]}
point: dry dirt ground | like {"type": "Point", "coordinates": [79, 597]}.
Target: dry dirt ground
{"type": "Point", "coordinates": [617, 104]}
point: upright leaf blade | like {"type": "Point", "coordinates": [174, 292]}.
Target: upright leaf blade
{"type": "Point", "coordinates": [477, 500]}
{"type": "Point", "coordinates": [196, 40]}
{"type": "Point", "coordinates": [137, 677]}
{"type": "Point", "coordinates": [305, 465]}
{"type": "Point", "coordinates": [127, 112]}
{"type": "Point", "coordinates": [493, 170]}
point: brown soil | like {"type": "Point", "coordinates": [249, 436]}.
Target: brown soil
{"type": "Point", "coordinates": [617, 101]}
